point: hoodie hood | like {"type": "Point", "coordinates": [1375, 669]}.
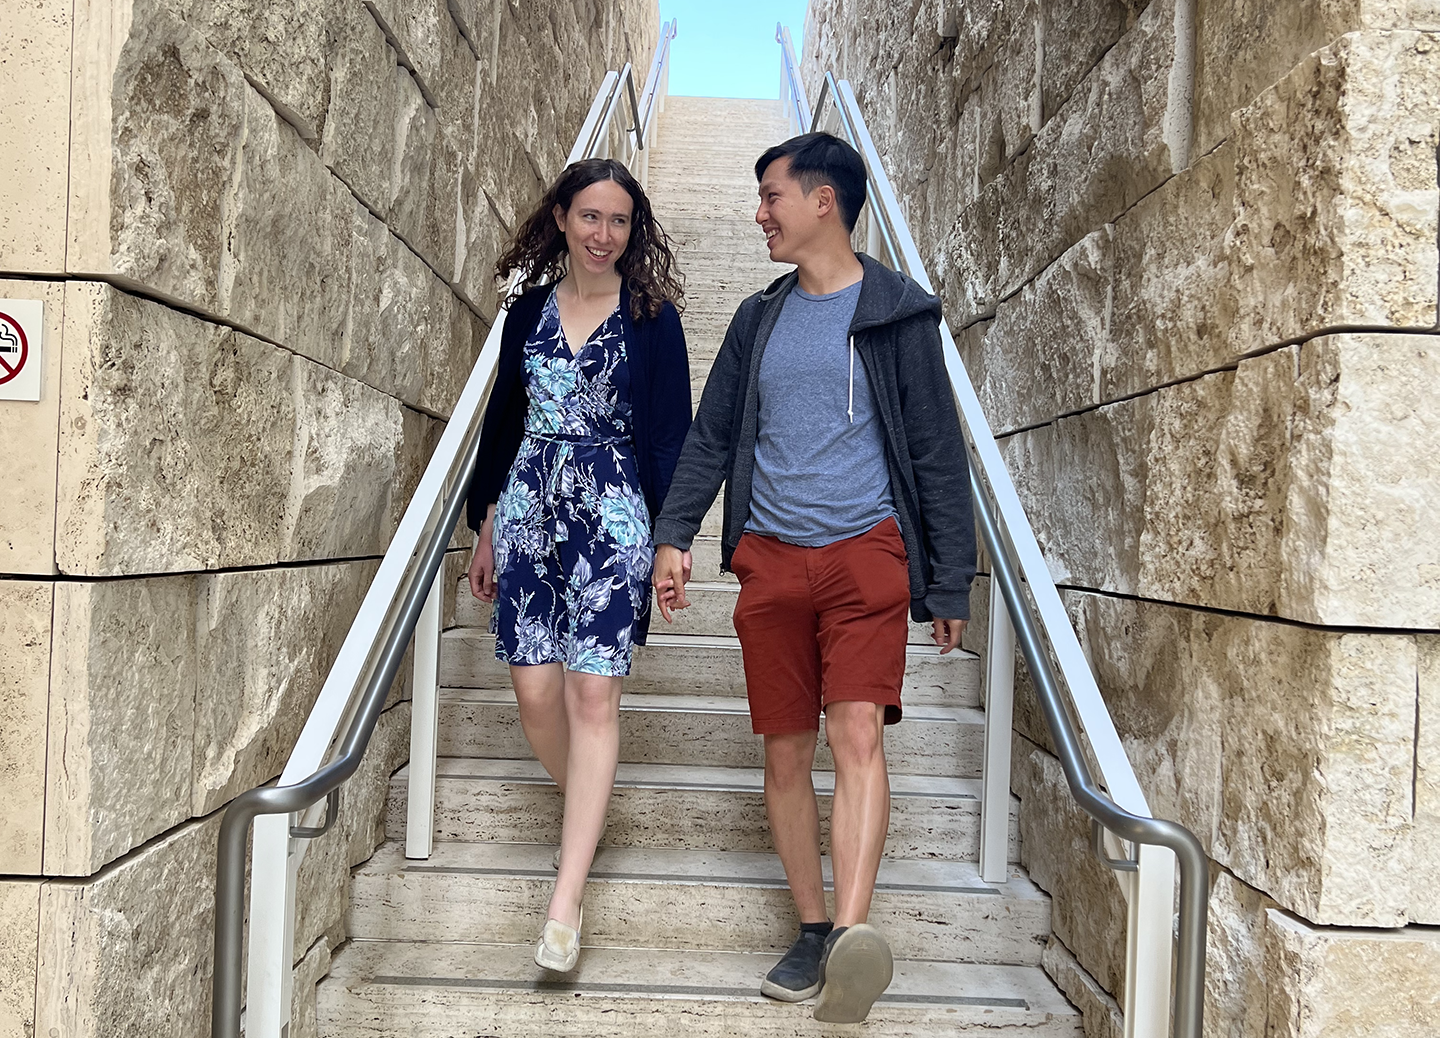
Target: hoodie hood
{"type": "Point", "coordinates": [886, 296]}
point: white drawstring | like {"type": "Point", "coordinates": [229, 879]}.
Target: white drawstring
{"type": "Point", "coordinates": [851, 409]}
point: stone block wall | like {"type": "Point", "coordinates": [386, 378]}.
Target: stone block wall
{"type": "Point", "coordinates": [1188, 252]}
{"type": "Point", "coordinates": [263, 233]}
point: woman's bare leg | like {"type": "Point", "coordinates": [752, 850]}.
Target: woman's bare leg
{"type": "Point", "coordinates": [540, 691]}
{"type": "Point", "coordinates": [592, 704]}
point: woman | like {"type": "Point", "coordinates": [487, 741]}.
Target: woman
{"type": "Point", "coordinates": [590, 407]}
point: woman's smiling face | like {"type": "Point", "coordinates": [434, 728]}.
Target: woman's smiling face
{"type": "Point", "coordinates": [597, 226]}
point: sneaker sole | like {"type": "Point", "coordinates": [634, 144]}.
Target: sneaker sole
{"type": "Point", "coordinates": [775, 991]}
{"type": "Point", "coordinates": [857, 972]}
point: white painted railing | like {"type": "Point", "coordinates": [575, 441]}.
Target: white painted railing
{"type": "Point", "coordinates": [1025, 601]}
{"type": "Point", "coordinates": [405, 595]}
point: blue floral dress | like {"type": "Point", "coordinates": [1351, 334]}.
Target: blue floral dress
{"type": "Point", "coordinates": [573, 551]}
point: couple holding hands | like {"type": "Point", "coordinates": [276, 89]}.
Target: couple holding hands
{"type": "Point", "coordinates": [829, 418]}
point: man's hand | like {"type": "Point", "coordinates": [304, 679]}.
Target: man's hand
{"type": "Point", "coordinates": [672, 573]}
{"type": "Point", "coordinates": [482, 564]}
{"type": "Point", "coordinates": [947, 634]}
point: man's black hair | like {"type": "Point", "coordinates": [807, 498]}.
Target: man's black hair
{"type": "Point", "coordinates": [823, 158]}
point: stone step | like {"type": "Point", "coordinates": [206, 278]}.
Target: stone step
{"type": "Point", "coordinates": [705, 552]}
{"type": "Point", "coordinates": [670, 664]}
{"type": "Point", "coordinates": [685, 807]}
{"type": "Point", "coordinates": [498, 892]}
{"type": "Point", "coordinates": [380, 989]}
{"type": "Point", "coordinates": [709, 730]}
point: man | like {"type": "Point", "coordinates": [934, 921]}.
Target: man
{"type": "Point", "coordinates": [829, 416]}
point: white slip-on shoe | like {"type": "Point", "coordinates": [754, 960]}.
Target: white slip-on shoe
{"type": "Point", "coordinates": [559, 946]}
{"type": "Point", "coordinates": [855, 972]}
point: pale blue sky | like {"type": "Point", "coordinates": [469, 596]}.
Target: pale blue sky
{"type": "Point", "coordinates": [727, 48]}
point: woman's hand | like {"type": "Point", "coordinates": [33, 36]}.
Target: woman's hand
{"type": "Point", "coordinates": [482, 564]}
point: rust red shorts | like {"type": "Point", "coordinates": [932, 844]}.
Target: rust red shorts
{"type": "Point", "coordinates": [821, 625]}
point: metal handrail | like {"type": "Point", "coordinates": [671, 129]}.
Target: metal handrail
{"type": "Point", "coordinates": [406, 585]}
{"type": "Point", "coordinates": [1035, 618]}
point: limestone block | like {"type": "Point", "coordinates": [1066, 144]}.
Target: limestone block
{"type": "Point", "coordinates": [122, 723]}
{"type": "Point", "coordinates": [1318, 457]}
{"type": "Point", "coordinates": [1007, 95]}
{"type": "Point", "coordinates": [1242, 47]}
{"type": "Point", "coordinates": [1088, 912]}
{"type": "Point", "coordinates": [396, 308]}
{"type": "Point", "coordinates": [1323, 983]}
{"type": "Point", "coordinates": [1173, 301]}
{"type": "Point", "coordinates": [1366, 476]}
{"type": "Point", "coordinates": [345, 495]}
{"type": "Point", "coordinates": [281, 48]}
{"type": "Point", "coordinates": [34, 135]}
{"type": "Point", "coordinates": [157, 122]}
{"type": "Point", "coordinates": [425, 182]}
{"type": "Point", "coordinates": [1102, 152]}
{"type": "Point", "coordinates": [323, 883]}
{"type": "Point", "coordinates": [130, 952]}
{"type": "Point", "coordinates": [413, 28]}
{"type": "Point", "coordinates": [175, 445]}
{"type": "Point", "coordinates": [288, 223]}
{"type": "Point", "coordinates": [310, 971]}
{"type": "Point", "coordinates": [1336, 198]}
{"type": "Point", "coordinates": [1234, 958]}
{"type": "Point", "coordinates": [1425, 845]}
{"type": "Point", "coordinates": [1076, 36]}
{"type": "Point", "coordinates": [27, 525]}
{"type": "Point", "coordinates": [358, 142]}
{"type": "Point", "coordinates": [451, 357]}
{"type": "Point", "coordinates": [25, 614]}
{"type": "Point", "coordinates": [1103, 1018]}
{"type": "Point", "coordinates": [1040, 356]}
{"type": "Point", "coordinates": [265, 643]}
{"type": "Point", "coordinates": [19, 945]}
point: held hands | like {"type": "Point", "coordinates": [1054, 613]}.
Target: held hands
{"type": "Point", "coordinates": [672, 573]}
{"type": "Point", "coordinates": [947, 634]}
{"type": "Point", "coordinates": [482, 564]}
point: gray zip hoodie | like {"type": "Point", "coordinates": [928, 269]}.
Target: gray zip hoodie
{"type": "Point", "coordinates": [896, 336]}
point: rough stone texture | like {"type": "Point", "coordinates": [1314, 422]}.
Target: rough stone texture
{"type": "Point", "coordinates": [266, 640]}
{"type": "Point", "coordinates": [323, 883]}
{"type": "Point", "coordinates": [129, 952]}
{"type": "Point", "coordinates": [1207, 704]}
{"type": "Point", "coordinates": [19, 956]}
{"type": "Point", "coordinates": [1243, 46]}
{"type": "Point", "coordinates": [175, 440]}
{"type": "Point", "coordinates": [1336, 198]}
{"type": "Point", "coordinates": [1425, 848]}
{"type": "Point", "coordinates": [1103, 1018]}
{"type": "Point", "coordinates": [1298, 485]}
{"type": "Point", "coordinates": [27, 527]}
{"type": "Point", "coordinates": [103, 796]}
{"type": "Point", "coordinates": [1349, 984]}
{"type": "Point", "coordinates": [25, 622]}
{"type": "Point", "coordinates": [36, 89]}
{"type": "Point", "coordinates": [309, 972]}
{"type": "Point", "coordinates": [187, 446]}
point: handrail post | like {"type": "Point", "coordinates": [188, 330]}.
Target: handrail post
{"type": "Point", "coordinates": [272, 929]}
{"type": "Point", "coordinates": [999, 714]}
{"type": "Point", "coordinates": [1149, 945]}
{"type": "Point", "coordinates": [424, 725]}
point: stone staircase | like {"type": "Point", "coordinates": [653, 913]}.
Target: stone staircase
{"type": "Point", "coordinates": [687, 905]}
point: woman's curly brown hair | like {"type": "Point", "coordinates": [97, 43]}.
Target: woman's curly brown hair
{"type": "Point", "coordinates": [647, 266]}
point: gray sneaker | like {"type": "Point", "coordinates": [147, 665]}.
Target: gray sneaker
{"type": "Point", "coordinates": [855, 971]}
{"type": "Point", "coordinates": [797, 975]}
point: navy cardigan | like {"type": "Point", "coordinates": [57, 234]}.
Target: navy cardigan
{"type": "Point", "coordinates": [659, 399]}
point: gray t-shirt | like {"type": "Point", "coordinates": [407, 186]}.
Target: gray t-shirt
{"type": "Point", "coordinates": [820, 474]}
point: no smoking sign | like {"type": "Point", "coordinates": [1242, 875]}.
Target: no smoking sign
{"type": "Point", "coordinates": [21, 323]}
